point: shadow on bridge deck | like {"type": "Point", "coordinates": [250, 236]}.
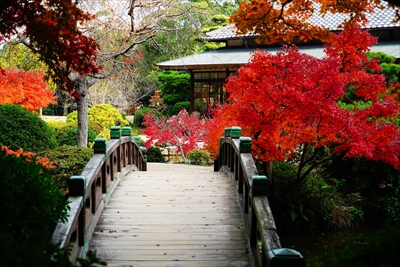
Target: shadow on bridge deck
{"type": "Point", "coordinates": [172, 215]}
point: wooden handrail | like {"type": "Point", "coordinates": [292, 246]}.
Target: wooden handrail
{"type": "Point", "coordinates": [235, 159]}
{"type": "Point", "coordinates": [91, 190]}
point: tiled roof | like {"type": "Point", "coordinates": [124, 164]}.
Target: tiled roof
{"type": "Point", "coordinates": [236, 57]}
{"type": "Point", "coordinates": [380, 19]}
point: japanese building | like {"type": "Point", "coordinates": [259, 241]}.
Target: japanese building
{"type": "Point", "coordinates": [209, 70]}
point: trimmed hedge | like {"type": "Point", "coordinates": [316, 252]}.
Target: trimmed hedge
{"type": "Point", "coordinates": [102, 115]}
{"type": "Point", "coordinates": [23, 129]}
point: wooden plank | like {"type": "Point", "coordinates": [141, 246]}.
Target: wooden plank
{"type": "Point", "coordinates": [180, 263]}
{"type": "Point", "coordinates": [184, 216]}
{"type": "Point", "coordinates": [172, 255]}
{"type": "Point", "coordinates": [162, 244]}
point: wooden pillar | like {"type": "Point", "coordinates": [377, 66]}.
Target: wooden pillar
{"type": "Point", "coordinates": [191, 91]}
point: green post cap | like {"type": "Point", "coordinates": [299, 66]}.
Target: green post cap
{"type": "Point", "coordinates": [236, 132]}
{"type": "Point", "coordinates": [126, 131]}
{"type": "Point", "coordinates": [77, 185]}
{"type": "Point", "coordinates": [227, 132]}
{"type": "Point", "coordinates": [115, 132]}
{"type": "Point", "coordinates": [144, 152]}
{"type": "Point", "coordinates": [137, 139]}
{"type": "Point", "coordinates": [260, 185]}
{"type": "Point", "coordinates": [100, 146]}
{"type": "Point", "coordinates": [221, 140]}
{"type": "Point", "coordinates": [285, 257]}
{"type": "Point", "coordinates": [245, 144]}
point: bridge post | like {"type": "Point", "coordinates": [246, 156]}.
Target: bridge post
{"type": "Point", "coordinates": [126, 147]}
{"type": "Point", "coordinates": [285, 257]}
{"type": "Point", "coordinates": [227, 149]}
{"type": "Point", "coordinates": [115, 132]}
{"type": "Point", "coordinates": [245, 144]}
{"type": "Point", "coordinates": [136, 151]}
{"type": "Point", "coordinates": [77, 187]}
{"type": "Point", "coordinates": [144, 160]}
{"type": "Point", "coordinates": [244, 147]}
{"type": "Point", "coordinates": [236, 133]}
{"type": "Point", "coordinates": [100, 147]}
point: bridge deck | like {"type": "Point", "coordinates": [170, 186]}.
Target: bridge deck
{"type": "Point", "coordinates": [172, 215]}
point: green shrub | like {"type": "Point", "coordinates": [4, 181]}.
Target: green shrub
{"type": "Point", "coordinates": [102, 115]}
{"type": "Point", "coordinates": [199, 157]}
{"type": "Point", "coordinates": [67, 132]}
{"type": "Point", "coordinates": [140, 113]}
{"type": "Point", "coordinates": [23, 129]}
{"type": "Point", "coordinates": [154, 155]}
{"type": "Point", "coordinates": [30, 204]}
{"type": "Point", "coordinates": [70, 137]}
{"type": "Point", "coordinates": [68, 161]}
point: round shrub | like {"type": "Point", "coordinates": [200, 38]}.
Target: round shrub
{"type": "Point", "coordinates": [70, 137]}
{"type": "Point", "coordinates": [103, 115]}
{"type": "Point", "coordinates": [30, 204]}
{"type": "Point", "coordinates": [154, 155]}
{"type": "Point", "coordinates": [199, 157]}
{"type": "Point", "coordinates": [23, 129]}
{"type": "Point", "coordinates": [140, 113]}
{"type": "Point", "coordinates": [61, 127]}
{"type": "Point", "coordinates": [67, 161]}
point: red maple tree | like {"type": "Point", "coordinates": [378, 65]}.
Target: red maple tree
{"type": "Point", "coordinates": [182, 130]}
{"type": "Point", "coordinates": [25, 88]}
{"type": "Point", "coordinates": [290, 103]}
{"type": "Point", "coordinates": [51, 29]}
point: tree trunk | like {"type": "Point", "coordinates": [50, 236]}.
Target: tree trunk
{"type": "Point", "coordinates": [82, 87]}
{"type": "Point", "coordinates": [65, 104]}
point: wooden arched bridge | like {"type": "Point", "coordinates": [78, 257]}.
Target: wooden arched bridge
{"type": "Point", "coordinates": [134, 213]}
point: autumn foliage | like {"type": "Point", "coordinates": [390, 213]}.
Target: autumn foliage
{"type": "Point", "coordinates": [182, 130]}
{"type": "Point", "coordinates": [51, 29]}
{"type": "Point", "coordinates": [290, 103]}
{"type": "Point", "coordinates": [28, 156]}
{"type": "Point", "coordinates": [283, 20]}
{"type": "Point", "coordinates": [25, 88]}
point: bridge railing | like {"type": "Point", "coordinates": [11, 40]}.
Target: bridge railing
{"type": "Point", "coordinates": [236, 160]}
{"type": "Point", "coordinates": [91, 190]}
